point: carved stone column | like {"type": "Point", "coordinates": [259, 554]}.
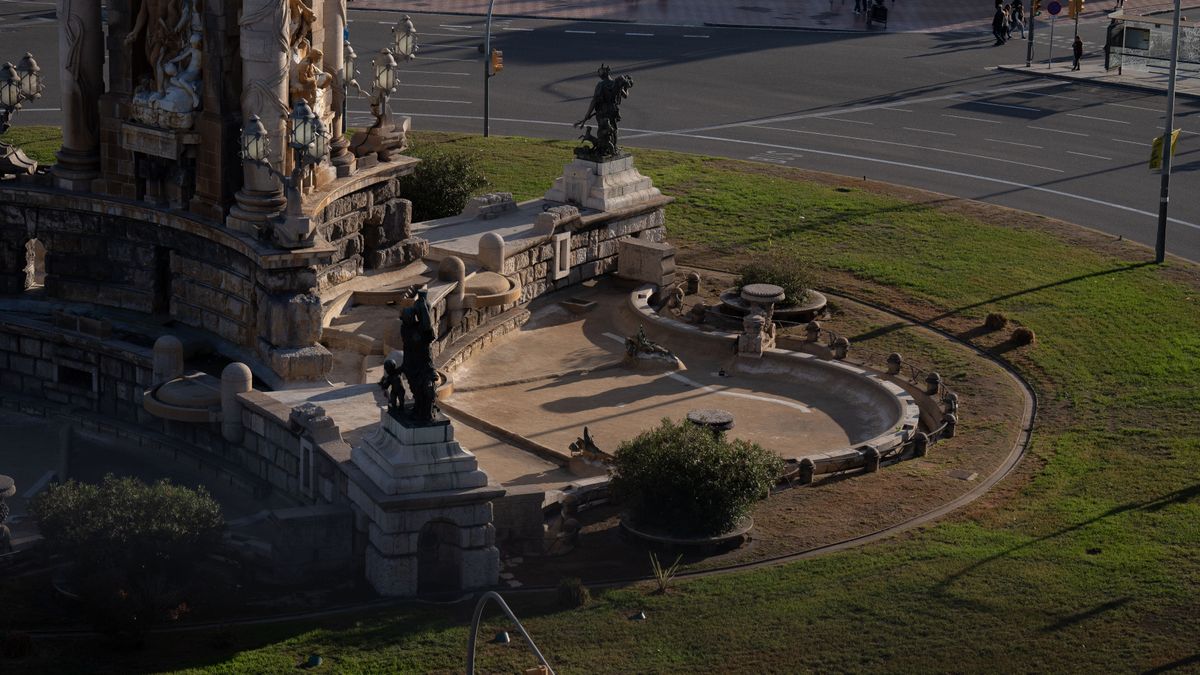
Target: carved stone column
{"type": "Point", "coordinates": [264, 93]}
{"type": "Point", "coordinates": [335, 26]}
{"type": "Point", "coordinates": [81, 71]}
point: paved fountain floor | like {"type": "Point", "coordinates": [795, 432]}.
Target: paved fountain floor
{"type": "Point", "coordinates": [617, 403]}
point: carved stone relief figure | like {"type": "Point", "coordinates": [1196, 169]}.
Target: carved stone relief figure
{"type": "Point", "coordinates": [170, 95]}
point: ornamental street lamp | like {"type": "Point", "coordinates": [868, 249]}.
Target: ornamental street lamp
{"type": "Point", "coordinates": [404, 39]}
{"type": "Point", "coordinates": [18, 84]}
{"type": "Point", "coordinates": [309, 142]}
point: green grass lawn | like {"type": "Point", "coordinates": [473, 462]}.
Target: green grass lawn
{"type": "Point", "coordinates": [1091, 563]}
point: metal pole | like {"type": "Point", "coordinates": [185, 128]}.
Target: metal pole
{"type": "Point", "coordinates": [1160, 245]}
{"type": "Point", "coordinates": [1050, 51]}
{"type": "Point", "coordinates": [1124, 27]}
{"type": "Point", "coordinates": [475, 619]}
{"type": "Point", "coordinates": [1029, 45]}
{"type": "Point", "coordinates": [487, 64]}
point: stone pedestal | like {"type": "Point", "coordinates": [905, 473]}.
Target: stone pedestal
{"type": "Point", "coordinates": [427, 508]}
{"type": "Point", "coordinates": [380, 143]}
{"type": "Point", "coordinates": [604, 186]}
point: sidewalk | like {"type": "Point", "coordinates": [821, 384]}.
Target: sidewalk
{"type": "Point", "coordinates": [1092, 70]}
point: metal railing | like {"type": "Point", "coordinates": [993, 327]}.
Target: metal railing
{"type": "Point", "coordinates": [483, 600]}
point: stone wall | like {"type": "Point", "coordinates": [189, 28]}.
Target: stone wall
{"type": "Point", "coordinates": [593, 250]}
{"type": "Point", "coordinates": [103, 379]}
{"type": "Point", "coordinates": [368, 229]}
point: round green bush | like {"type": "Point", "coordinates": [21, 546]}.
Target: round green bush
{"type": "Point", "coordinates": [441, 185]}
{"type": "Point", "coordinates": [134, 546]}
{"type": "Point", "coordinates": [778, 269]}
{"type": "Point", "coordinates": [684, 480]}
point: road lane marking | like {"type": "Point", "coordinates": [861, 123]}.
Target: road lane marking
{"type": "Point", "coordinates": [947, 172]}
{"type": "Point", "coordinates": [1006, 105]}
{"type": "Point", "coordinates": [973, 119]}
{"type": "Point", "coordinates": [1069, 98]}
{"type": "Point", "coordinates": [639, 35]}
{"type": "Point", "coordinates": [1057, 131]}
{"type": "Point", "coordinates": [521, 30]}
{"type": "Point", "coordinates": [1084, 154]}
{"type": "Point", "coordinates": [1121, 140]}
{"type": "Point", "coordinates": [581, 32]}
{"type": "Point", "coordinates": [827, 153]}
{"type": "Point", "coordinates": [696, 36]}
{"type": "Point", "coordinates": [457, 27]}
{"type": "Point", "coordinates": [434, 72]}
{"type": "Point", "coordinates": [929, 131]}
{"type": "Point", "coordinates": [1023, 145]}
{"type": "Point", "coordinates": [877, 141]}
{"type": "Point", "coordinates": [708, 389]}
{"type": "Point", "coordinates": [839, 119]}
{"type": "Point", "coordinates": [1098, 119]}
{"type": "Point", "coordinates": [844, 111]}
{"type": "Point", "coordinates": [431, 100]}
{"type": "Point", "coordinates": [903, 110]}
{"type": "Point", "coordinates": [1134, 107]}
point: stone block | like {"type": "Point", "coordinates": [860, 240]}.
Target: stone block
{"type": "Point", "coordinates": [480, 568]}
{"type": "Point", "coordinates": [648, 262]}
{"type": "Point", "coordinates": [392, 576]}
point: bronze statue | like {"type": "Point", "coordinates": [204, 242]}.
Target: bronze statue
{"type": "Point", "coordinates": [606, 108]}
{"type": "Point", "coordinates": [416, 334]}
{"type": "Point", "coordinates": [393, 386]}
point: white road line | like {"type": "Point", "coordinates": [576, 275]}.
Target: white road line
{"type": "Point", "coordinates": [434, 72]}
{"type": "Point", "coordinates": [1138, 143]}
{"type": "Point", "coordinates": [1134, 107]}
{"type": "Point", "coordinates": [581, 32]}
{"type": "Point", "coordinates": [522, 30]}
{"type": "Point", "coordinates": [877, 141]}
{"type": "Point", "coordinates": [431, 100]}
{"type": "Point", "coordinates": [1005, 105]}
{"type": "Point", "coordinates": [1084, 154]}
{"type": "Point", "coordinates": [903, 110]}
{"type": "Point", "coordinates": [1057, 131]}
{"type": "Point", "coordinates": [851, 121]}
{"type": "Point", "coordinates": [1098, 119]}
{"type": "Point", "coordinates": [696, 36]}
{"type": "Point", "coordinates": [1068, 98]}
{"type": "Point", "coordinates": [1023, 145]}
{"type": "Point", "coordinates": [41, 109]}
{"type": "Point", "coordinates": [945, 172]}
{"type": "Point", "coordinates": [442, 58]}
{"type": "Point", "coordinates": [828, 153]}
{"type": "Point", "coordinates": [973, 119]}
{"type": "Point", "coordinates": [843, 111]}
{"type": "Point", "coordinates": [639, 34]}
{"type": "Point", "coordinates": [456, 27]}
{"type": "Point", "coordinates": [722, 392]}
{"type": "Point", "coordinates": [929, 131]}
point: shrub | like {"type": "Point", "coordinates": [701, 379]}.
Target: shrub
{"type": "Point", "coordinates": [780, 270]}
{"type": "Point", "coordinates": [572, 593]}
{"type": "Point", "coordinates": [995, 321]}
{"type": "Point", "coordinates": [441, 184]}
{"type": "Point", "coordinates": [134, 546]}
{"type": "Point", "coordinates": [1022, 336]}
{"type": "Point", "coordinates": [683, 479]}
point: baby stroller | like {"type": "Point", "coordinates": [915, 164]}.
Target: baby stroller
{"type": "Point", "coordinates": [877, 13]}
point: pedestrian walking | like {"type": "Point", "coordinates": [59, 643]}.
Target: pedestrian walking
{"type": "Point", "coordinates": [1077, 49]}
{"type": "Point", "coordinates": [998, 26]}
{"type": "Point", "coordinates": [1017, 17]}
{"type": "Point", "coordinates": [1007, 22]}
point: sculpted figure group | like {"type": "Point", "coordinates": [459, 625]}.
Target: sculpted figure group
{"type": "Point", "coordinates": [172, 45]}
{"type": "Point", "coordinates": [416, 366]}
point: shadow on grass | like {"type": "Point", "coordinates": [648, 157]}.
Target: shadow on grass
{"type": "Point", "coordinates": [1174, 665]}
{"type": "Point", "coordinates": [1079, 617]}
{"type": "Point", "coordinates": [884, 330]}
{"type": "Point", "coordinates": [1180, 496]}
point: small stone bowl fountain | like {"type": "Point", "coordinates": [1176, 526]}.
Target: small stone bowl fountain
{"type": "Point", "coordinates": [735, 305]}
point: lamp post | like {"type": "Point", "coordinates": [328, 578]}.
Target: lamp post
{"type": "Point", "coordinates": [487, 69]}
{"type": "Point", "coordinates": [384, 136]}
{"type": "Point", "coordinates": [1164, 195]}
{"type": "Point", "coordinates": [18, 84]}
{"type": "Point", "coordinates": [404, 39]}
{"type": "Point", "coordinates": [310, 144]}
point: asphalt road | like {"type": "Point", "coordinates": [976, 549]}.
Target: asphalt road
{"type": "Point", "coordinates": [925, 110]}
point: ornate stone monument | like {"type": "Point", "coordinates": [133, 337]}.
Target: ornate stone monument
{"type": "Point", "coordinates": [602, 176]}
{"type": "Point", "coordinates": [427, 503]}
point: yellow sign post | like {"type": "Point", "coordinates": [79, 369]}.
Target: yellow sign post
{"type": "Point", "coordinates": [1156, 150]}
